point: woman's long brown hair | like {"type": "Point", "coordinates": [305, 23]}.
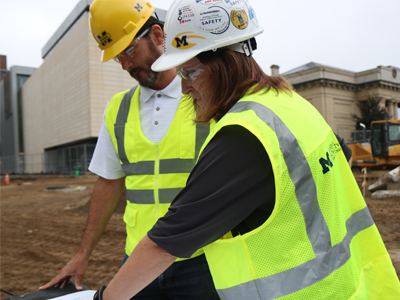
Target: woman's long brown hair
{"type": "Point", "coordinates": [233, 74]}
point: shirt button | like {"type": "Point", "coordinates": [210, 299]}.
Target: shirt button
{"type": "Point", "coordinates": [156, 122]}
{"type": "Point", "coordinates": [158, 95]}
{"type": "Point", "coordinates": [157, 109]}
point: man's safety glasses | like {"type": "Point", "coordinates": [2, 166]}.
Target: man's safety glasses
{"type": "Point", "coordinates": [132, 49]}
{"type": "Point", "coordinates": [190, 74]}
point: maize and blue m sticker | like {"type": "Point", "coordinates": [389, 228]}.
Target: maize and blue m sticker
{"type": "Point", "coordinates": [181, 40]}
{"type": "Point", "coordinates": [104, 38]}
{"type": "Point", "coordinates": [138, 7]}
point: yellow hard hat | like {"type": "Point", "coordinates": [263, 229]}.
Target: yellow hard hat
{"type": "Point", "coordinates": [115, 23]}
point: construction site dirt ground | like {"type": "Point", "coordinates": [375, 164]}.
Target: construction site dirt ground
{"type": "Point", "coordinates": [41, 230]}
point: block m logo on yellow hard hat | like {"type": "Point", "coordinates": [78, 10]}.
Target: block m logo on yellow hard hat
{"type": "Point", "coordinates": [104, 39]}
{"type": "Point", "coordinates": [138, 7]}
{"type": "Point", "coordinates": [180, 41]}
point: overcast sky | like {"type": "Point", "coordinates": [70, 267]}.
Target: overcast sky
{"type": "Point", "coordinates": [355, 35]}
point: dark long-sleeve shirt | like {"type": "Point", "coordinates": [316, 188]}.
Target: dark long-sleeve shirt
{"type": "Point", "coordinates": [231, 188]}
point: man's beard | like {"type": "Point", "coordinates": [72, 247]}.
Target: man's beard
{"type": "Point", "coordinates": [150, 78]}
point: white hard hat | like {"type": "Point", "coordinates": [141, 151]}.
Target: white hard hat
{"type": "Point", "coordinates": [195, 26]}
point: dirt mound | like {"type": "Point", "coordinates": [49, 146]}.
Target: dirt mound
{"type": "Point", "coordinates": [41, 230]}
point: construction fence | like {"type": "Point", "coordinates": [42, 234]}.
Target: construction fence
{"type": "Point", "coordinates": [68, 160]}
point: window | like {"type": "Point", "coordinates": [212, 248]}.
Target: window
{"type": "Point", "coordinates": [377, 139]}
{"type": "Point", "coordinates": [398, 111]}
{"type": "Point", "coordinates": [394, 132]}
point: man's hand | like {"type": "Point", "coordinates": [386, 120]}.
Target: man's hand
{"type": "Point", "coordinates": [75, 267]}
{"type": "Point", "coordinates": [104, 199]}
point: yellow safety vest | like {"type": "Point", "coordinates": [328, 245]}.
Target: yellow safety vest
{"type": "Point", "coordinates": [155, 173]}
{"type": "Point", "coordinates": [320, 241]}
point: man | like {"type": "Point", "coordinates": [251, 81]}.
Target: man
{"type": "Point", "coordinates": [149, 141]}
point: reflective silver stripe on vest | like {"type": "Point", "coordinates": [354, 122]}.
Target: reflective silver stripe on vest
{"type": "Point", "coordinates": [147, 196]}
{"type": "Point", "coordinates": [167, 166]}
{"type": "Point", "coordinates": [139, 168]}
{"type": "Point", "coordinates": [177, 165]}
{"type": "Point", "coordinates": [119, 127]}
{"type": "Point", "coordinates": [328, 258]}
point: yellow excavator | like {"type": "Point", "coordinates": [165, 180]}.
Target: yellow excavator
{"type": "Point", "coordinates": [382, 150]}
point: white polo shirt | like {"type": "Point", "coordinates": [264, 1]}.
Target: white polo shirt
{"type": "Point", "coordinates": [157, 110]}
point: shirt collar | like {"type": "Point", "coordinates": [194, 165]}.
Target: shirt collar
{"type": "Point", "coordinates": [173, 90]}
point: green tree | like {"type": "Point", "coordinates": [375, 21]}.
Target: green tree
{"type": "Point", "coordinates": [370, 111]}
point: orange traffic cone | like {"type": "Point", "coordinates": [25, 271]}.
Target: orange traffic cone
{"type": "Point", "coordinates": [7, 179]}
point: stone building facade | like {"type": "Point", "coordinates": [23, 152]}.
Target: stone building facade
{"type": "Point", "coordinates": [336, 92]}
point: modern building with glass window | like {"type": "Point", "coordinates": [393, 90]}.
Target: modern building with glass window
{"type": "Point", "coordinates": [11, 112]}
{"type": "Point", "coordinates": [62, 101]}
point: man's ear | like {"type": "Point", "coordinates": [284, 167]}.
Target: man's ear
{"type": "Point", "coordinates": [158, 34]}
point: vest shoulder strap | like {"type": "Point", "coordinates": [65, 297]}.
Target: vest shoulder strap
{"type": "Point", "coordinates": [124, 107]}
{"type": "Point", "coordinates": [119, 127]}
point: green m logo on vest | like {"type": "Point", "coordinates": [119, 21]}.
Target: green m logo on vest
{"type": "Point", "coordinates": [326, 164]}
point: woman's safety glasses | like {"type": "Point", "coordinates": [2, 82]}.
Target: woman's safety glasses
{"type": "Point", "coordinates": [190, 73]}
{"type": "Point", "coordinates": [132, 49]}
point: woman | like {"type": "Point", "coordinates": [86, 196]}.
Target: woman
{"type": "Point", "coordinates": [272, 199]}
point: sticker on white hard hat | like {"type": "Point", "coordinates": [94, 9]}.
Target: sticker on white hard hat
{"type": "Point", "coordinates": [253, 16]}
{"type": "Point", "coordinates": [185, 15]}
{"type": "Point", "coordinates": [182, 41]}
{"type": "Point", "coordinates": [235, 4]}
{"type": "Point", "coordinates": [209, 1]}
{"type": "Point", "coordinates": [214, 19]}
{"type": "Point", "coordinates": [239, 19]}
